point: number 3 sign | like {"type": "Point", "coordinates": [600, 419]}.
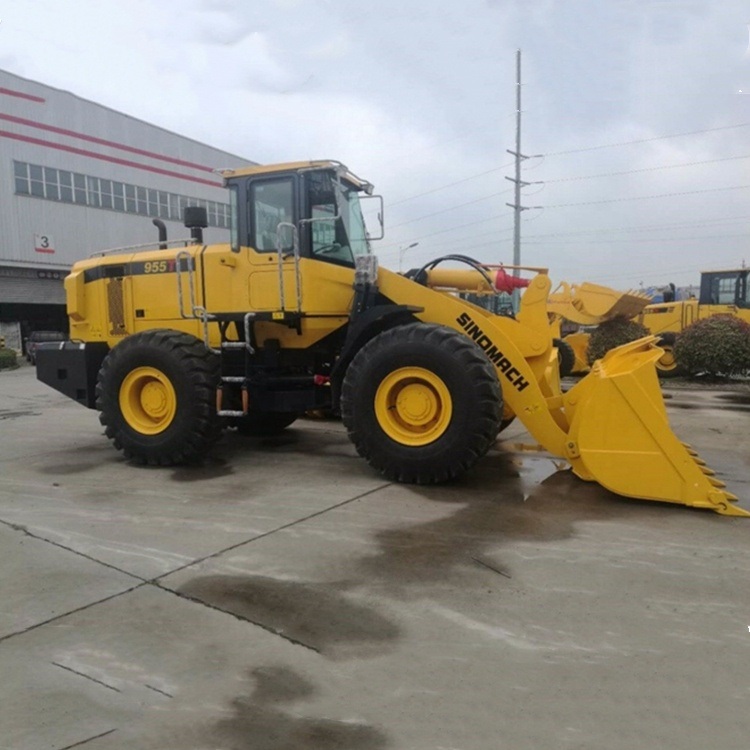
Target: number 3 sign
{"type": "Point", "coordinates": [43, 243]}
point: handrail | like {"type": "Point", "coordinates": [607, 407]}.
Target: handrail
{"type": "Point", "coordinates": [144, 246]}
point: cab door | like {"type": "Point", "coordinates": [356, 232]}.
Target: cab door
{"type": "Point", "coordinates": [272, 216]}
{"type": "Point", "coordinates": [279, 213]}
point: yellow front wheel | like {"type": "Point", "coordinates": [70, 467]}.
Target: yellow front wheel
{"type": "Point", "coordinates": [421, 403]}
{"type": "Point", "coordinates": [413, 406]}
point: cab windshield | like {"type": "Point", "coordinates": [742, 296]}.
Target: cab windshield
{"type": "Point", "coordinates": [338, 238]}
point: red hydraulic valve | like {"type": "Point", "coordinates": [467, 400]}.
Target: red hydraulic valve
{"type": "Point", "coordinates": [504, 282]}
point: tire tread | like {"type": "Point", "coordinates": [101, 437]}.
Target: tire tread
{"type": "Point", "coordinates": [486, 390]}
{"type": "Point", "coordinates": [202, 369]}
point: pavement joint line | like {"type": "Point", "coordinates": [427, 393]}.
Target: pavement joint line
{"type": "Point", "coordinates": [267, 628]}
{"type": "Point", "coordinates": [36, 625]}
{"type": "Point", "coordinates": [90, 739]}
{"type": "Point", "coordinates": [491, 567]}
{"type": "Point", "coordinates": [38, 537]}
{"type": "Point", "coordinates": [155, 581]}
{"type": "Point", "coordinates": [269, 533]}
{"type": "Point", "coordinates": [156, 690]}
{"type": "Point", "coordinates": [86, 676]}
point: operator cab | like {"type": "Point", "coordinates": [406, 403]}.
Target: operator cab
{"type": "Point", "coordinates": [303, 209]}
{"type": "Point", "coordinates": [726, 288]}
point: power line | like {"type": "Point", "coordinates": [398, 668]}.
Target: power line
{"type": "Point", "coordinates": [443, 231]}
{"type": "Point", "coordinates": [651, 274]}
{"type": "Point", "coordinates": [646, 140]}
{"type": "Point", "coordinates": [466, 245]}
{"type": "Point", "coordinates": [568, 179]}
{"type": "Point", "coordinates": [591, 148]}
{"type": "Point", "coordinates": [647, 197]}
{"type": "Point", "coordinates": [640, 240]}
{"type": "Point", "coordinates": [471, 240]}
{"type": "Point", "coordinates": [451, 208]}
{"type": "Point", "coordinates": [644, 227]}
{"type": "Point", "coordinates": [450, 184]}
{"type": "Point", "coordinates": [500, 233]}
{"type": "Point", "coordinates": [646, 169]}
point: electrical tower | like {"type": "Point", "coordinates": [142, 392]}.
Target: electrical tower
{"type": "Point", "coordinates": [518, 182]}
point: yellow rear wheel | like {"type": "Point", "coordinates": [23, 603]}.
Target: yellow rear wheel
{"type": "Point", "coordinates": [148, 401]}
{"type": "Point", "coordinates": [413, 406]}
{"type": "Point", "coordinates": [156, 394]}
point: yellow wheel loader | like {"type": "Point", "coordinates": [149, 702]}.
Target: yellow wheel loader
{"type": "Point", "coordinates": [587, 305]}
{"type": "Point", "coordinates": [174, 343]}
{"type": "Point", "coordinates": [721, 293]}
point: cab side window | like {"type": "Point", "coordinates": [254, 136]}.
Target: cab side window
{"type": "Point", "coordinates": [723, 290]}
{"type": "Point", "coordinates": [271, 204]}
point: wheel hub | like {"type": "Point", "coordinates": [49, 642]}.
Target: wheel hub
{"type": "Point", "coordinates": [413, 406]}
{"type": "Point", "coordinates": [417, 404]}
{"type": "Point", "coordinates": [154, 399]}
{"type": "Point", "coordinates": [148, 401]}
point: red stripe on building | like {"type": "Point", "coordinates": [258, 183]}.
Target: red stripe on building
{"type": "Point", "coordinates": [110, 159]}
{"type": "Point", "coordinates": [102, 142]}
{"type": "Point", "coordinates": [21, 95]}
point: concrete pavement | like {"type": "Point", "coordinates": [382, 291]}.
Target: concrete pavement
{"type": "Point", "coordinates": [283, 596]}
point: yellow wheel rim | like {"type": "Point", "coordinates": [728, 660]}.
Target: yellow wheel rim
{"type": "Point", "coordinates": [413, 406]}
{"type": "Point", "coordinates": [147, 400]}
{"type": "Point", "coordinates": [667, 360]}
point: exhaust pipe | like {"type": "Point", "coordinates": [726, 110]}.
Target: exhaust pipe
{"type": "Point", "coordinates": [162, 227]}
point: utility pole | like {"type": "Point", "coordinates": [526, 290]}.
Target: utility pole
{"type": "Point", "coordinates": [516, 206]}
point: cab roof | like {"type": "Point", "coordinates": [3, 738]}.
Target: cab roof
{"type": "Point", "coordinates": [298, 166]}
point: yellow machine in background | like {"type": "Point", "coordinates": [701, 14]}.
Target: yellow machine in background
{"type": "Point", "coordinates": [721, 293]}
{"type": "Point", "coordinates": [586, 305]}
{"type": "Point", "coordinates": [171, 345]}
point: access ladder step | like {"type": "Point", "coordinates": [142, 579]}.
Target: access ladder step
{"type": "Point", "coordinates": [233, 345]}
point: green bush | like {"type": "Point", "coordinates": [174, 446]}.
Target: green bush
{"type": "Point", "coordinates": [719, 345]}
{"type": "Point", "coordinates": [613, 333]}
{"type": "Point", "coordinates": [8, 359]}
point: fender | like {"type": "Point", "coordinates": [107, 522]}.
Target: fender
{"type": "Point", "coordinates": [365, 326]}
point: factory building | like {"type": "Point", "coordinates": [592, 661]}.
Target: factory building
{"type": "Point", "coordinates": [77, 178]}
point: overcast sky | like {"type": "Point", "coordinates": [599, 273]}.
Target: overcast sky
{"type": "Point", "coordinates": [418, 96]}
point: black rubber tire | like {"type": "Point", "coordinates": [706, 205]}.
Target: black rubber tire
{"type": "Point", "coordinates": [566, 358]}
{"type": "Point", "coordinates": [264, 423]}
{"type": "Point", "coordinates": [673, 370]}
{"type": "Point", "coordinates": [193, 372]}
{"type": "Point", "coordinates": [470, 380]}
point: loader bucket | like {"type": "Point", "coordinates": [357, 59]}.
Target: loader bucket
{"type": "Point", "coordinates": [590, 304]}
{"type": "Point", "coordinates": [620, 435]}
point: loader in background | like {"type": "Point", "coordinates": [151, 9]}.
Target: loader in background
{"type": "Point", "coordinates": [721, 293]}
{"type": "Point", "coordinates": [586, 306]}
{"type": "Point", "coordinates": [173, 345]}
